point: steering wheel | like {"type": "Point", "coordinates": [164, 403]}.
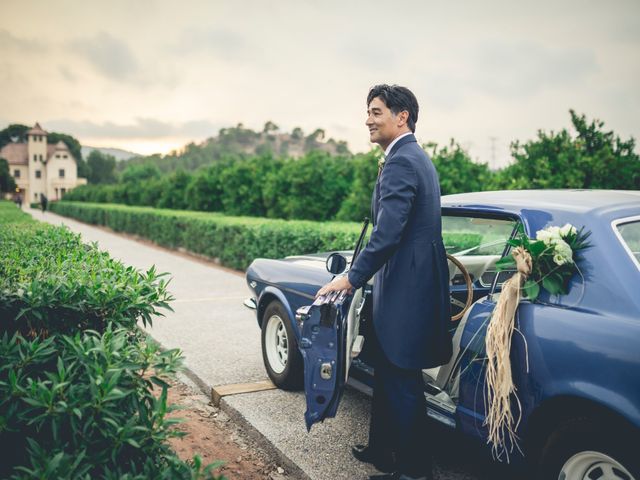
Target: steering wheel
{"type": "Point", "coordinates": [467, 279]}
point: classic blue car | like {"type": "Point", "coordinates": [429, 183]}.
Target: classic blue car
{"type": "Point", "coordinates": [575, 358]}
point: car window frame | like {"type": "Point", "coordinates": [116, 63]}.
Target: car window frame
{"type": "Point", "coordinates": [472, 212]}
{"type": "Point", "coordinates": [614, 227]}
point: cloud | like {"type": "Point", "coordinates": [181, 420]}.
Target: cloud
{"type": "Point", "coordinates": [108, 55]}
{"type": "Point", "coordinates": [8, 41]}
{"type": "Point", "coordinates": [142, 128]}
{"type": "Point", "coordinates": [525, 68]}
{"type": "Point", "coordinates": [221, 42]}
{"type": "Point", "coordinates": [67, 74]}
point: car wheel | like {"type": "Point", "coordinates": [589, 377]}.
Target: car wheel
{"type": "Point", "coordinates": [280, 352]}
{"type": "Point", "coordinates": [583, 450]}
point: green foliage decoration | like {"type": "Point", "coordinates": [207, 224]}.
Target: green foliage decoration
{"type": "Point", "coordinates": [554, 253]}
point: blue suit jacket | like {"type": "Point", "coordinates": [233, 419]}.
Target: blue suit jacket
{"type": "Point", "coordinates": [411, 309]}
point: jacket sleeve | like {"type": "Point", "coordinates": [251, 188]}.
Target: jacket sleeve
{"type": "Point", "coordinates": [398, 188]}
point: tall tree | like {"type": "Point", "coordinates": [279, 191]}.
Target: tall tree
{"type": "Point", "coordinates": [457, 172]}
{"type": "Point", "coordinates": [102, 167]}
{"type": "Point", "coordinates": [14, 132]}
{"type": "Point", "coordinates": [7, 184]}
{"type": "Point", "coordinates": [594, 158]}
{"type": "Point", "coordinates": [134, 173]}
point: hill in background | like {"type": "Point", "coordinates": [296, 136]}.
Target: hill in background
{"type": "Point", "coordinates": [117, 153]}
{"type": "Point", "coordinates": [241, 142]}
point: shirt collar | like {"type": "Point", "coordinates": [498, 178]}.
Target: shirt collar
{"type": "Point", "coordinates": [395, 140]}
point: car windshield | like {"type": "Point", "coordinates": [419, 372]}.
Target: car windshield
{"type": "Point", "coordinates": [630, 234]}
{"type": "Point", "coordinates": [475, 236]}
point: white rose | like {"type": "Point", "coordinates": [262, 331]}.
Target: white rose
{"type": "Point", "coordinates": [559, 260]}
{"type": "Point", "coordinates": [543, 235]}
{"type": "Point", "coordinates": [555, 233]}
{"type": "Point", "coordinates": [563, 250]}
{"type": "Point", "coordinates": [568, 229]}
{"type": "Point", "coordinates": [549, 235]}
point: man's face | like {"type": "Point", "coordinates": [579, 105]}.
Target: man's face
{"type": "Point", "coordinates": [383, 125]}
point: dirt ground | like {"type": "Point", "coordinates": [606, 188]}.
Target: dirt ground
{"type": "Point", "coordinates": [213, 436]}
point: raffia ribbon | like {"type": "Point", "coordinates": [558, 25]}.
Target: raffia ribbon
{"type": "Point", "coordinates": [499, 383]}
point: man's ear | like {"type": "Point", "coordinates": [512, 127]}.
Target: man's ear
{"type": "Point", "coordinates": [403, 118]}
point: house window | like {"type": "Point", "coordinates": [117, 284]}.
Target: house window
{"type": "Point", "coordinates": [16, 174]}
{"type": "Point", "coordinates": [64, 156]}
{"type": "Point", "coordinates": [61, 173]}
{"type": "Point", "coordinates": [40, 157]}
{"type": "Point", "coordinates": [57, 156]}
{"type": "Point", "coordinates": [63, 191]}
{"type": "Point", "coordinates": [35, 196]}
{"type": "Point", "coordinates": [38, 174]}
{"type": "Point", "coordinates": [35, 157]}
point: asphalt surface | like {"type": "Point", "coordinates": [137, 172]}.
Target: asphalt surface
{"type": "Point", "coordinates": [220, 340]}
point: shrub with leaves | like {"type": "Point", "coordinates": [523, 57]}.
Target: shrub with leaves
{"type": "Point", "coordinates": [234, 241]}
{"type": "Point", "coordinates": [82, 406]}
{"type": "Point", "coordinates": [50, 282]}
{"type": "Point", "coordinates": [76, 375]}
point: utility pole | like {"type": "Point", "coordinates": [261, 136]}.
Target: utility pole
{"type": "Point", "coordinates": [493, 152]}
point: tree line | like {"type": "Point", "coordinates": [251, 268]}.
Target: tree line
{"type": "Point", "coordinates": [324, 186]}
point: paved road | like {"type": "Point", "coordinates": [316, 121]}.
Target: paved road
{"type": "Point", "coordinates": [221, 343]}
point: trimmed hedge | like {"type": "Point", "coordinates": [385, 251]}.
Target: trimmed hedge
{"type": "Point", "coordinates": [50, 282]}
{"type": "Point", "coordinates": [233, 241]}
{"type": "Point", "coordinates": [76, 375]}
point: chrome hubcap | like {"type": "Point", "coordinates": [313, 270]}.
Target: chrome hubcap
{"type": "Point", "coordinates": [593, 466]}
{"type": "Point", "coordinates": [276, 344]}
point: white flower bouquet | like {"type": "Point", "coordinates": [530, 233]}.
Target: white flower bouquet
{"type": "Point", "coordinates": [554, 253]}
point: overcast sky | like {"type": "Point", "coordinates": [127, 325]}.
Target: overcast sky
{"type": "Point", "coordinates": [151, 75]}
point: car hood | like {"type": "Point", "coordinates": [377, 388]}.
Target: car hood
{"type": "Point", "coordinates": [316, 260]}
{"type": "Point", "coordinates": [302, 274]}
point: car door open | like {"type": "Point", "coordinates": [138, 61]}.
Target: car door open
{"type": "Point", "coordinates": [326, 352]}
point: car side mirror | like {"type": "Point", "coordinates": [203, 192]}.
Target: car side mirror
{"type": "Point", "coordinates": [336, 263]}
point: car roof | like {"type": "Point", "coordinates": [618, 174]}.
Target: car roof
{"type": "Point", "coordinates": [565, 200]}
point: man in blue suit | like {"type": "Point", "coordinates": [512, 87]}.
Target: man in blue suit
{"type": "Point", "coordinates": [411, 311]}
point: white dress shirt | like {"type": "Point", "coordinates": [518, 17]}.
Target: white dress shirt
{"type": "Point", "coordinates": [395, 140]}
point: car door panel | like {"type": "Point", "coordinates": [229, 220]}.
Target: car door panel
{"type": "Point", "coordinates": [325, 352]}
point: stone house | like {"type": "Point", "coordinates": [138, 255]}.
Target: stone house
{"type": "Point", "coordinates": [39, 168]}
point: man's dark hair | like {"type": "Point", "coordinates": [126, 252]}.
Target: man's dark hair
{"type": "Point", "coordinates": [397, 99]}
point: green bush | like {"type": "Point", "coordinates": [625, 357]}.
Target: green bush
{"type": "Point", "coordinates": [50, 282]}
{"type": "Point", "coordinates": [76, 375]}
{"type": "Point", "coordinates": [234, 241]}
{"type": "Point", "coordinates": [10, 214]}
{"type": "Point", "coordinates": [82, 406]}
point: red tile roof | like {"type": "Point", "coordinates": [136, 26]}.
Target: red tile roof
{"type": "Point", "coordinates": [61, 146]}
{"type": "Point", "coordinates": [15, 153]}
{"type": "Point", "coordinates": [36, 130]}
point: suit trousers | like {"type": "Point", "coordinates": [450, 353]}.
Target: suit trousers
{"type": "Point", "coordinates": [399, 413]}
